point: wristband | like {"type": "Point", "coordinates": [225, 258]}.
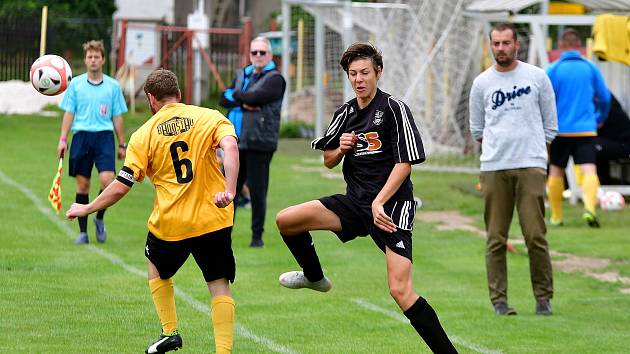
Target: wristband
{"type": "Point", "coordinates": [62, 140]}
{"type": "Point", "coordinates": [122, 146]}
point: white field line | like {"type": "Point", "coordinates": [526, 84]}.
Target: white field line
{"type": "Point", "coordinates": [45, 209]}
{"type": "Point", "coordinates": [400, 318]}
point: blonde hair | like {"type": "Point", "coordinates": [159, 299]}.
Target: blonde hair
{"type": "Point", "coordinates": [94, 46]}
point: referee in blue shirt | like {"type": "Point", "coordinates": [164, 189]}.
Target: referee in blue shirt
{"type": "Point", "coordinates": [93, 106]}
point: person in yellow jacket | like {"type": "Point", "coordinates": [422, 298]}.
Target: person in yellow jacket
{"type": "Point", "coordinates": [176, 149]}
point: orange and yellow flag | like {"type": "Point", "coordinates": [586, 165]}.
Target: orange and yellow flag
{"type": "Point", "coordinates": [54, 196]}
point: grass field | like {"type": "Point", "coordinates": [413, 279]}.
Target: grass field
{"type": "Point", "coordinates": [56, 297]}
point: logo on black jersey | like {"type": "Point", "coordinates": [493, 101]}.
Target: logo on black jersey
{"type": "Point", "coordinates": [175, 126]}
{"type": "Point", "coordinates": [378, 117]}
{"type": "Point", "coordinates": [368, 143]}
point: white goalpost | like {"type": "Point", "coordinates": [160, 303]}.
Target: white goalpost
{"type": "Point", "coordinates": [430, 51]}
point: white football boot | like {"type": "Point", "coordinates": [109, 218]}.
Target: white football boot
{"type": "Point", "coordinates": [297, 280]}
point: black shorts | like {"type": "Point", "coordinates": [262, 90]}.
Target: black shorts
{"type": "Point", "coordinates": [212, 252]}
{"type": "Point", "coordinates": [89, 149]}
{"type": "Point", "coordinates": [357, 221]}
{"type": "Point", "coordinates": [582, 149]}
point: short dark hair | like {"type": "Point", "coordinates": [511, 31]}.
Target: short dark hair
{"type": "Point", "coordinates": [502, 26]}
{"type": "Point", "coordinates": [571, 37]}
{"type": "Point", "coordinates": [161, 83]}
{"type": "Point", "coordinates": [361, 51]}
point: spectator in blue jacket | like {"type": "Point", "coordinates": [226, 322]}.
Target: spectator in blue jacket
{"type": "Point", "coordinates": [582, 101]}
{"type": "Point", "coordinates": [254, 101]}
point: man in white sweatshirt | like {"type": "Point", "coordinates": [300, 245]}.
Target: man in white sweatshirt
{"type": "Point", "coordinates": [513, 115]}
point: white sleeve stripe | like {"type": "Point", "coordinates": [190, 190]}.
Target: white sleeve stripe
{"type": "Point", "coordinates": [410, 139]}
{"type": "Point", "coordinates": [397, 129]}
{"type": "Point", "coordinates": [333, 128]}
{"type": "Point", "coordinates": [336, 122]}
{"type": "Point", "coordinates": [405, 131]}
{"type": "Point", "coordinates": [339, 123]}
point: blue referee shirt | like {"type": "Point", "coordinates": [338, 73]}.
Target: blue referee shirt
{"type": "Point", "coordinates": [93, 105]}
{"type": "Point", "coordinates": [582, 98]}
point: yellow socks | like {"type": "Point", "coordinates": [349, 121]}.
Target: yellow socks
{"type": "Point", "coordinates": [590, 185]}
{"type": "Point", "coordinates": [164, 299]}
{"type": "Point", "coordinates": [556, 187]}
{"type": "Point", "coordinates": [222, 312]}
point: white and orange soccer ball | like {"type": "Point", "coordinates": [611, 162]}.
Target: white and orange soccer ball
{"type": "Point", "coordinates": [612, 200]}
{"type": "Point", "coordinates": [50, 75]}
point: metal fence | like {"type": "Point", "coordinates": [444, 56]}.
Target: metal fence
{"type": "Point", "coordinates": [20, 41]}
{"type": "Point", "coordinates": [19, 46]}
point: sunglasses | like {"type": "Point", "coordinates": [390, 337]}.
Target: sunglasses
{"type": "Point", "coordinates": [258, 52]}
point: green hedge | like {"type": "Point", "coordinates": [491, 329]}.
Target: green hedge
{"type": "Point", "coordinates": [297, 129]}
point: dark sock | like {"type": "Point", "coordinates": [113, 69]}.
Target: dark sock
{"type": "Point", "coordinates": [303, 249]}
{"type": "Point", "coordinates": [100, 213]}
{"type": "Point", "coordinates": [424, 319]}
{"type": "Point", "coordinates": [82, 199]}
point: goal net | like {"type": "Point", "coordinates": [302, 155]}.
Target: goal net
{"type": "Point", "coordinates": [431, 54]}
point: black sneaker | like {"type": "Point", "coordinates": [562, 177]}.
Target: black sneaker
{"type": "Point", "coordinates": [543, 308]}
{"type": "Point", "coordinates": [257, 243]}
{"type": "Point", "coordinates": [165, 344]}
{"type": "Point", "coordinates": [502, 309]}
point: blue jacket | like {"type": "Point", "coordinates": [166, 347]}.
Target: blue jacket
{"type": "Point", "coordinates": [235, 114]}
{"type": "Point", "coordinates": [256, 129]}
{"type": "Point", "coordinates": [582, 98]}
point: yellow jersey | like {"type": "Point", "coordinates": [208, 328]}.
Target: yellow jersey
{"type": "Point", "coordinates": [176, 149]}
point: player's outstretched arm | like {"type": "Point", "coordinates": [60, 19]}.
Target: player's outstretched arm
{"type": "Point", "coordinates": [394, 181]}
{"type": "Point", "coordinates": [230, 165]}
{"type": "Point", "coordinates": [112, 194]}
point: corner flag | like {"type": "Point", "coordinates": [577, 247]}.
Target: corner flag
{"type": "Point", "coordinates": [54, 196]}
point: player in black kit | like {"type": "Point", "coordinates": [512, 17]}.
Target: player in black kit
{"type": "Point", "coordinates": [377, 139]}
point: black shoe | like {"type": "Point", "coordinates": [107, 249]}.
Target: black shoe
{"type": "Point", "coordinates": [165, 344]}
{"type": "Point", "coordinates": [543, 307]}
{"type": "Point", "coordinates": [502, 309]}
{"type": "Point", "coordinates": [256, 243]}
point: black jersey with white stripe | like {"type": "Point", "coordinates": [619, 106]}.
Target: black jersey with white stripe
{"type": "Point", "coordinates": [387, 135]}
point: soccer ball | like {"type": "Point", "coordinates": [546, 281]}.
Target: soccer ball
{"type": "Point", "coordinates": [612, 200]}
{"type": "Point", "coordinates": [50, 75]}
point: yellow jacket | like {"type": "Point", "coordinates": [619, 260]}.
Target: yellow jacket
{"type": "Point", "coordinates": [612, 38]}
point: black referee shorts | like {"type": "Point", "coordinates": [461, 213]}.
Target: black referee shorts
{"type": "Point", "coordinates": [357, 221]}
{"type": "Point", "coordinates": [212, 252]}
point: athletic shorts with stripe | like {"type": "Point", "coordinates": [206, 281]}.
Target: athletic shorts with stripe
{"type": "Point", "coordinates": [212, 252]}
{"type": "Point", "coordinates": [357, 221]}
